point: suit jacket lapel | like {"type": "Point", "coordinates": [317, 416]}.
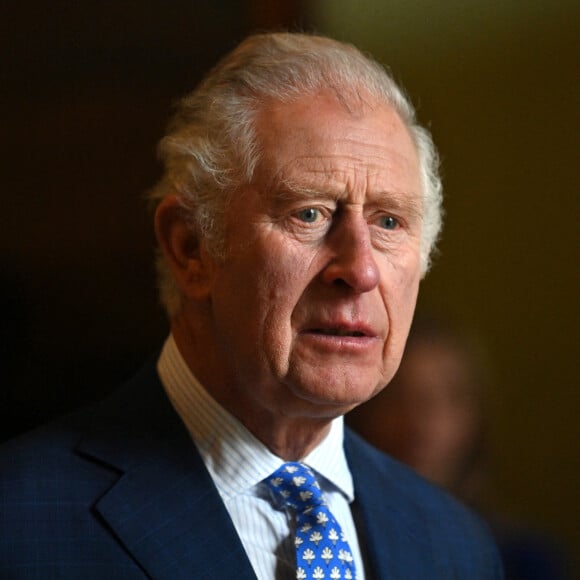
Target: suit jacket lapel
{"type": "Point", "coordinates": [166, 512]}
{"type": "Point", "coordinates": [396, 542]}
{"type": "Point", "coordinates": [164, 508]}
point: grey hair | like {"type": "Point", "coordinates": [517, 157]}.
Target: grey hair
{"type": "Point", "coordinates": [211, 148]}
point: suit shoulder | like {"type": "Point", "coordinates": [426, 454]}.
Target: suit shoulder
{"type": "Point", "coordinates": [52, 448]}
{"type": "Point", "coordinates": [381, 471]}
{"type": "Point", "coordinates": [427, 517]}
{"type": "Point", "coordinates": [44, 459]}
{"type": "Point", "coordinates": [387, 473]}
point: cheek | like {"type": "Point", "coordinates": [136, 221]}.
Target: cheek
{"type": "Point", "coordinates": [399, 295]}
{"type": "Point", "coordinates": [278, 278]}
{"type": "Point", "coordinates": [408, 289]}
{"type": "Point", "coordinates": [399, 292]}
{"type": "Point", "coordinates": [282, 281]}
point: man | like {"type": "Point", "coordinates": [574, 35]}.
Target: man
{"type": "Point", "coordinates": [296, 215]}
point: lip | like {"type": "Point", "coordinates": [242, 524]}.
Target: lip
{"type": "Point", "coordinates": [341, 330]}
{"type": "Point", "coordinates": [340, 335]}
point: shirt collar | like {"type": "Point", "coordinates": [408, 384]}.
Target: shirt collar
{"type": "Point", "coordinates": [236, 460]}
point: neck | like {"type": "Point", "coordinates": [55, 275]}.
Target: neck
{"type": "Point", "coordinates": [289, 439]}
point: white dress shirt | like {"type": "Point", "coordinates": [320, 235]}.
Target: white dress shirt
{"type": "Point", "coordinates": [238, 464]}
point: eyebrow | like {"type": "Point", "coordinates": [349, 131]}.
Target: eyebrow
{"type": "Point", "coordinates": [408, 203]}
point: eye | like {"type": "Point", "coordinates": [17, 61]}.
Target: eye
{"type": "Point", "coordinates": [309, 215]}
{"type": "Point", "coordinates": [388, 222]}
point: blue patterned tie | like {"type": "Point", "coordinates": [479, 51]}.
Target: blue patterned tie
{"type": "Point", "coordinates": [322, 552]}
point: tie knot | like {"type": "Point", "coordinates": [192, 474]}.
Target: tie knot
{"type": "Point", "coordinates": [296, 484]}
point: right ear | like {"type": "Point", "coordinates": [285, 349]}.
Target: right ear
{"type": "Point", "coordinates": [191, 268]}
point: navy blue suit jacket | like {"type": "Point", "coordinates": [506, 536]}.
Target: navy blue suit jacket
{"type": "Point", "coordinates": [120, 492]}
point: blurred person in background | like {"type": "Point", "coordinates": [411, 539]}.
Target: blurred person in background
{"type": "Point", "coordinates": [432, 417]}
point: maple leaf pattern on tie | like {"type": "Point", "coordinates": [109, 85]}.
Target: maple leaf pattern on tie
{"type": "Point", "coordinates": [322, 551]}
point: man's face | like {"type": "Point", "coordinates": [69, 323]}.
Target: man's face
{"type": "Point", "coordinates": [312, 305]}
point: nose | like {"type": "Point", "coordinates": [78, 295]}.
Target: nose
{"type": "Point", "coordinates": [352, 263]}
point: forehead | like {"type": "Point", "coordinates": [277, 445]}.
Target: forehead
{"type": "Point", "coordinates": [316, 142]}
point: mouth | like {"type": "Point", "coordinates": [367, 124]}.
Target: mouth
{"type": "Point", "coordinates": [338, 332]}
{"type": "Point", "coordinates": [341, 338]}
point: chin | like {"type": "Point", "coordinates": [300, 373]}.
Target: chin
{"type": "Point", "coordinates": [337, 397]}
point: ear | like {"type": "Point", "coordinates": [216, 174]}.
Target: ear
{"type": "Point", "coordinates": [190, 266]}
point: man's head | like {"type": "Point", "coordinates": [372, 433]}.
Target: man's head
{"type": "Point", "coordinates": [211, 149]}
{"type": "Point", "coordinates": [296, 217]}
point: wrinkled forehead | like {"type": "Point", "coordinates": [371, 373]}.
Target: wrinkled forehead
{"type": "Point", "coordinates": [350, 104]}
{"type": "Point", "coordinates": [316, 139]}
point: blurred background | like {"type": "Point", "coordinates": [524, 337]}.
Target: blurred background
{"type": "Point", "coordinates": [86, 89]}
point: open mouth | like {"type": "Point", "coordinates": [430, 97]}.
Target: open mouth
{"type": "Point", "coordinates": [337, 332]}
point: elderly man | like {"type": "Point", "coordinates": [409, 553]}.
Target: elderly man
{"type": "Point", "coordinates": [295, 218]}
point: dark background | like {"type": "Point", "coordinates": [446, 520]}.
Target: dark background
{"type": "Point", "coordinates": [85, 92]}
{"type": "Point", "coordinates": [87, 88]}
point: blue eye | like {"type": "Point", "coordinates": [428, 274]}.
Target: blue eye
{"type": "Point", "coordinates": [388, 222]}
{"type": "Point", "coordinates": [309, 215]}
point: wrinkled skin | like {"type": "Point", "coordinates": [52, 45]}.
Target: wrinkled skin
{"type": "Point", "coordinates": [307, 315]}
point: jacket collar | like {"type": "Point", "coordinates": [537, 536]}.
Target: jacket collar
{"type": "Point", "coordinates": [166, 512]}
{"type": "Point", "coordinates": [164, 508]}
{"type": "Point", "coordinates": [388, 522]}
